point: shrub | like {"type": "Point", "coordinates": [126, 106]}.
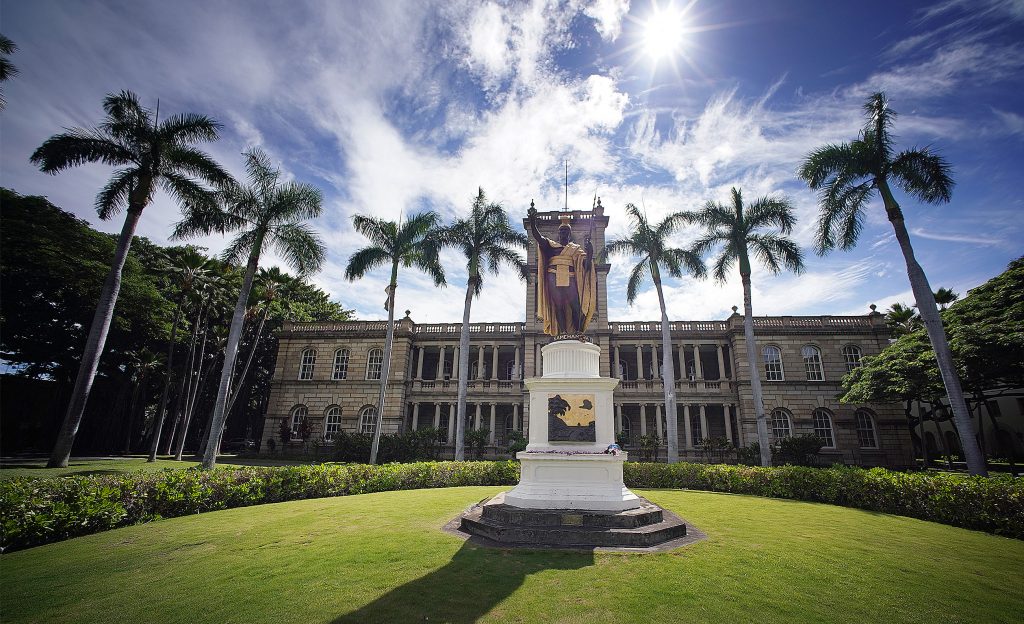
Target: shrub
{"type": "Point", "coordinates": [516, 443]}
{"type": "Point", "coordinates": [799, 450]}
{"type": "Point", "coordinates": [749, 455]}
{"type": "Point", "coordinates": [39, 511]}
{"type": "Point", "coordinates": [477, 439]}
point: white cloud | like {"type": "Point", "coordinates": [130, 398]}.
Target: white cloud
{"type": "Point", "coordinates": [608, 16]}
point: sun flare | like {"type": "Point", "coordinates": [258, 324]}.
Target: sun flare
{"type": "Point", "coordinates": [663, 33]}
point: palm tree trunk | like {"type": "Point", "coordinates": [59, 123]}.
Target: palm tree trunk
{"type": "Point", "coordinates": [94, 344]}
{"type": "Point", "coordinates": [460, 411]}
{"type": "Point", "coordinates": [928, 310]}
{"type": "Point", "coordinates": [200, 388]}
{"type": "Point", "coordinates": [159, 424]}
{"type": "Point", "coordinates": [668, 381]}
{"type": "Point", "coordinates": [131, 415]}
{"type": "Point", "coordinates": [181, 398]}
{"type": "Point", "coordinates": [230, 353]}
{"type": "Point", "coordinates": [386, 367]}
{"type": "Point", "coordinates": [195, 378]}
{"type": "Point", "coordinates": [248, 360]}
{"type": "Point", "coordinates": [752, 365]}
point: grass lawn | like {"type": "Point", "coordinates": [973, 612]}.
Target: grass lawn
{"type": "Point", "coordinates": [382, 558]}
{"type": "Point", "coordinates": [79, 467]}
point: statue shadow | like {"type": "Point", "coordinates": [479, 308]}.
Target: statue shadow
{"type": "Point", "coordinates": [466, 588]}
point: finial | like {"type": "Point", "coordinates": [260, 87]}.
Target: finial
{"type": "Point", "coordinates": [531, 203]}
{"type": "Point", "coordinates": [598, 201]}
{"type": "Point", "coordinates": [873, 307]}
{"type": "Point", "coordinates": [407, 313]}
{"type": "Point", "coordinates": [735, 310]}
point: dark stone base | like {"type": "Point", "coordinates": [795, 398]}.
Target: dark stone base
{"type": "Point", "coordinates": [645, 528]}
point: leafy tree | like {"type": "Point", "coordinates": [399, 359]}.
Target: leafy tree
{"type": "Point", "coordinates": [798, 450]}
{"type": "Point", "coordinates": [650, 242]}
{"type": "Point", "coordinates": [267, 212]}
{"type": "Point", "coordinates": [487, 240]}
{"type": "Point", "coordinates": [847, 175]}
{"type": "Point", "coordinates": [151, 154]}
{"type": "Point", "coordinates": [7, 69]}
{"type": "Point", "coordinates": [740, 232]}
{"type": "Point", "coordinates": [414, 243]}
{"type": "Point", "coordinates": [477, 440]}
{"type": "Point", "coordinates": [902, 319]}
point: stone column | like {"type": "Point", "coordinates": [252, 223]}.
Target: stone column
{"type": "Point", "coordinates": [617, 373]}
{"type": "Point", "coordinates": [618, 418]}
{"type": "Point", "coordinates": [515, 366]}
{"type": "Point", "coordinates": [639, 362]}
{"type": "Point", "coordinates": [480, 362]}
{"type": "Point", "coordinates": [703, 422]}
{"type": "Point", "coordinates": [686, 426]}
{"type": "Point", "coordinates": [728, 422]}
{"type": "Point", "coordinates": [657, 421]}
{"type": "Point", "coordinates": [698, 370]}
{"type": "Point", "coordinates": [515, 417]}
{"type": "Point", "coordinates": [494, 362]}
{"type": "Point", "coordinates": [721, 361]}
{"type": "Point", "coordinates": [655, 369]}
{"type": "Point", "coordinates": [415, 415]}
{"type": "Point", "coordinates": [451, 422]}
{"type": "Point", "coordinates": [643, 419]}
{"type": "Point", "coordinates": [493, 408]}
{"type": "Point", "coordinates": [437, 415]}
{"type": "Point", "coordinates": [476, 421]}
{"type": "Point", "coordinates": [440, 362]}
{"type": "Point", "coordinates": [455, 362]}
{"type": "Point", "coordinates": [419, 367]}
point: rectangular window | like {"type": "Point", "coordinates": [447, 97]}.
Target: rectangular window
{"type": "Point", "coordinates": [340, 365]}
{"type": "Point", "coordinates": [772, 364]}
{"type": "Point", "coordinates": [306, 365]}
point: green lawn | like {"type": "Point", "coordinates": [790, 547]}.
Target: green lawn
{"type": "Point", "coordinates": [77, 467]}
{"type": "Point", "coordinates": [382, 558]}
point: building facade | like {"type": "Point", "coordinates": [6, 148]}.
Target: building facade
{"type": "Point", "coordinates": [330, 374]}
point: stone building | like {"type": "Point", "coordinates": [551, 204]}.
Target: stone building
{"type": "Point", "coordinates": [330, 372]}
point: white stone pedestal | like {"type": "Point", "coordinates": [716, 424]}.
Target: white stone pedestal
{"type": "Point", "coordinates": [571, 474]}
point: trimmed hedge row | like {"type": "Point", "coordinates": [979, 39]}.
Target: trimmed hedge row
{"type": "Point", "coordinates": [991, 504]}
{"type": "Point", "coordinates": [37, 511]}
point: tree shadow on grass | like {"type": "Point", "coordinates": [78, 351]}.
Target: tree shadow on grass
{"type": "Point", "coordinates": [466, 588]}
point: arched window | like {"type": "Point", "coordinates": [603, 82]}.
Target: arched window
{"type": "Point", "coordinates": [851, 356]}
{"type": "Point", "coordinates": [626, 429]}
{"type": "Point", "coordinates": [823, 427]}
{"type": "Point", "coordinates": [866, 429]}
{"type": "Point", "coordinates": [812, 363]}
{"type": "Point", "coordinates": [374, 363]}
{"type": "Point", "coordinates": [340, 365]}
{"type": "Point", "coordinates": [299, 413]}
{"type": "Point", "coordinates": [367, 419]}
{"type": "Point", "coordinates": [772, 363]}
{"type": "Point", "coordinates": [306, 363]}
{"type": "Point", "coordinates": [781, 425]}
{"type": "Point", "coordinates": [332, 422]}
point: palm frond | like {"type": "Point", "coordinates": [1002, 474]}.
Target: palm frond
{"type": "Point", "coordinates": [770, 212]}
{"type": "Point", "coordinates": [188, 128]}
{"type": "Point", "coordinates": [776, 251]}
{"type": "Point", "coordinates": [636, 279]}
{"type": "Point", "coordinates": [724, 262]}
{"type": "Point", "coordinates": [237, 251]}
{"type": "Point", "coordinates": [924, 175]}
{"type": "Point", "coordinates": [679, 261]}
{"type": "Point", "coordinates": [380, 232]}
{"type": "Point", "coordinates": [365, 260]}
{"type": "Point", "coordinates": [185, 159]}
{"type": "Point", "coordinates": [115, 194]}
{"type": "Point", "coordinates": [77, 147]}
{"type": "Point", "coordinates": [299, 246]}
{"type": "Point", "coordinates": [193, 198]}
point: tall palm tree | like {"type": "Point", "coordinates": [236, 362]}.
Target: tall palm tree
{"type": "Point", "coordinates": [945, 297]}
{"type": "Point", "coordinates": [741, 233]}
{"type": "Point", "coordinates": [650, 242]}
{"type": "Point", "coordinates": [487, 240]}
{"type": "Point", "coordinates": [7, 69]}
{"type": "Point", "coordinates": [142, 362]}
{"type": "Point", "coordinates": [151, 154]}
{"type": "Point", "coordinates": [268, 212]}
{"type": "Point", "coordinates": [188, 272]}
{"type": "Point", "coordinates": [902, 319]}
{"type": "Point", "coordinates": [414, 243]}
{"type": "Point", "coordinates": [847, 176]}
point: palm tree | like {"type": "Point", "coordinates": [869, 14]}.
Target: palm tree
{"type": "Point", "coordinates": [7, 69]}
{"type": "Point", "coordinates": [902, 319]}
{"type": "Point", "coordinates": [188, 272]}
{"type": "Point", "coordinates": [740, 232]}
{"type": "Point", "coordinates": [487, 240]}
{"type": "Point", "coordinates": [847, 176]}
{"type": "Point", "coordinates": [651, 244]}
{"type": "Point", "coordinates": [414, 243]}
{"type": "Point", "coordinates": [944, 297]}
{"type": "Point", "coordinates": [268, 212]}
{"type": "Point", "coordinates": [143, 362]}
{"type": "Point", "coordinates": [151, 154]}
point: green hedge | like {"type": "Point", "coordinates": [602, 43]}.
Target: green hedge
{"type": "Point", "coordinates": [37, 511]}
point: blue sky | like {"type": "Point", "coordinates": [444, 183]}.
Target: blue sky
{"type": "Point", "coordinates": [392, 106]}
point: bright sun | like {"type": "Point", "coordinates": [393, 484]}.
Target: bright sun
{"type": "Point", "coordinates": [663, 33]}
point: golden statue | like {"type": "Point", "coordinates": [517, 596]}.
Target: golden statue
{"type": "Point", "coordinates": [566, 280]}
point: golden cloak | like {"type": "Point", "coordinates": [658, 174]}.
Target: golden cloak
{"type": "Point", "coordinates": [586, 284]}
